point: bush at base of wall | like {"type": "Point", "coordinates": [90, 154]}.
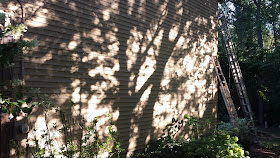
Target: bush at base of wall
{"type": "Point", "coordinates": [215, 144]}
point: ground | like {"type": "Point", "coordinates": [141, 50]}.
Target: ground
{"type": "Point", "coordinates": [269, 144]}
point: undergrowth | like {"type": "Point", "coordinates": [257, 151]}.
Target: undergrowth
{"type": "Point", "coordinates": [212, 144]}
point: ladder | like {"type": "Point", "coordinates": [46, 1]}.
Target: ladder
{"type": "Point", "coordinates": [236, 74]}
{"type": "Point", "coordinates": [225, 93]}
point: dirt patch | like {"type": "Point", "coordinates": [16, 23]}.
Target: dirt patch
{"type": "Point", "coordinates": [269, 144]}
{"type": "Point", "coordinates": [257, 151]}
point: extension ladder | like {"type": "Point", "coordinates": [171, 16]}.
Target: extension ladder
{"type": "Point", "coordinates": [225, 93]}
{"type": "Point", "coordinates": [236, 73]}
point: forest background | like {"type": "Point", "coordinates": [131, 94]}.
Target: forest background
{"type": "Point", "coordinates": [255, 30]}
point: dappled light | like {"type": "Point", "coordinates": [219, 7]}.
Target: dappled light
{"type": "Point", "coordinates": [144, 62]}
{"type": "Point", "coordinates": [142, 102]}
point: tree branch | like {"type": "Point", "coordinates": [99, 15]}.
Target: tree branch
{"type": "Point", "coordinates": [256, 3]}
{"type": "Point", "coordinates": [21, 7]}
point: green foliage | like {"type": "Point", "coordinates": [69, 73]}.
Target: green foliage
{"type": "Point", "coordinates": [215, 144]}
{"type": "Point", "coordinates": [89, 144]}
{"type": "Point", "coordinates": [243, 128]}
{"type": "Point", "coordinates": [14, 49]}
{"type": "Point", "coordinates": [15, 106]}
{"type": "Point", "coordinates": [268, 145]}
{"type": "Point", "coordinates": [9, 51]}
{"type": "Point", "coordinates": [242, 132]}
{"type": "Point", "coordinates": [14, 31]}
{"type": "Point", "coordinates": [193, 124]}
{"type": "Point", "coordinates": [260, 65]}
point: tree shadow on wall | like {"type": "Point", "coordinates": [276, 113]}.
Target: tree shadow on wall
{"type": "Point", "coordinates": [111, 57]}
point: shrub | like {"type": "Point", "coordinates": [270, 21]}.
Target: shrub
{"type": "Point", "coordinates": [12, 49]}
{"type": "Point", "coordinates": [243, 132]}
{"type": "Point", "coordinates": [15, 106]}
{"type": "Point", "coordinates": [243, 128]}
{"type": "Point", "coordinates": [217, 144]}
{"type": "Point", "coordinates": [89, 144]}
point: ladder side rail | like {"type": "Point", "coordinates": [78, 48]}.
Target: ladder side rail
{"type": "Point", "coordinates": [228, 95]}
{"type": "Point", "coordinates": [225, 93]}
{"type": "Point", "coordinates": [237, 74]}
{"type": "Point", "coordinates": [238, 79]}
{"type": "Point", "coordinates": [240, 85]}
{"type": "Point", "coordinates": [234, 67]}
{"type": "Point", "coordinates": [222, 88]}
{"type": "Point", "coordinates": [232, 57]}
{"type": "Point", "coordinates": [226, 102]}
{"type": "Point", "coordinates": [229, 106]}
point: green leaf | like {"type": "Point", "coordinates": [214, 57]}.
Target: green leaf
{"type": "Point", "coordinates": [34, 104]}
{"type": "Point", "coordinates": [7, 101]}
{"type": "Point", "coordinates": [15, 111]}
{"type": "Point", "coordinates": [26, 110]}
{"type": "Point", "coordinates": [4, 110]}
{"type": "Point", "coordinates": [28, 100]}
{"type": "Point", "coordinates": [15, 103]}
{"type": "Point", "coordinates": [186, 116]}
{"type": "Point", "coordinates": [21, 101]}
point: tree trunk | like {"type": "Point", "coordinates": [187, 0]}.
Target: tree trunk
{"type": "Point", "coordinates": [258, 23]}
{"type": "Point", "coordinates": [260, 43]}
{"type": "Point", "coordinates": [260, 111]}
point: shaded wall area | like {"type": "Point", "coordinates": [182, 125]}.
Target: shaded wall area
{"type": "Point", "coordinates": [143, 61]}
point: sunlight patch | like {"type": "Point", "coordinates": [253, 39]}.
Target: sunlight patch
{"type": "Point", "coordinates": [46, 57]}
{"type": "Point", "coordinates": [133, 137]}
{"type": "Point", "coordinates": [72, 45]}
{"type": "Point", "coordinates": [106, 14]}
{"type": "Point", "coordinates": [40, 20]}
{"type": "Point", "coordinates": [173, 32]}
{"type": "Point", "coordinates": [201, 110]}
{"type": "Point", "coordinates": [138, 110]}
{"type": "Point", "coordinates": [76, 94]}
{"type": "Point", "coordinates": [146, 70]}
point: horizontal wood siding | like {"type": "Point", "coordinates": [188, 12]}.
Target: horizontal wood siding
{"type": "Point", "coordinates": [143, 61]}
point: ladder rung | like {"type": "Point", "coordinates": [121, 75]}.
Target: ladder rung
{"type": "Point", "coordinates": [235, 72]}
{"type": "Point", "coordinates": [238, 76]}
